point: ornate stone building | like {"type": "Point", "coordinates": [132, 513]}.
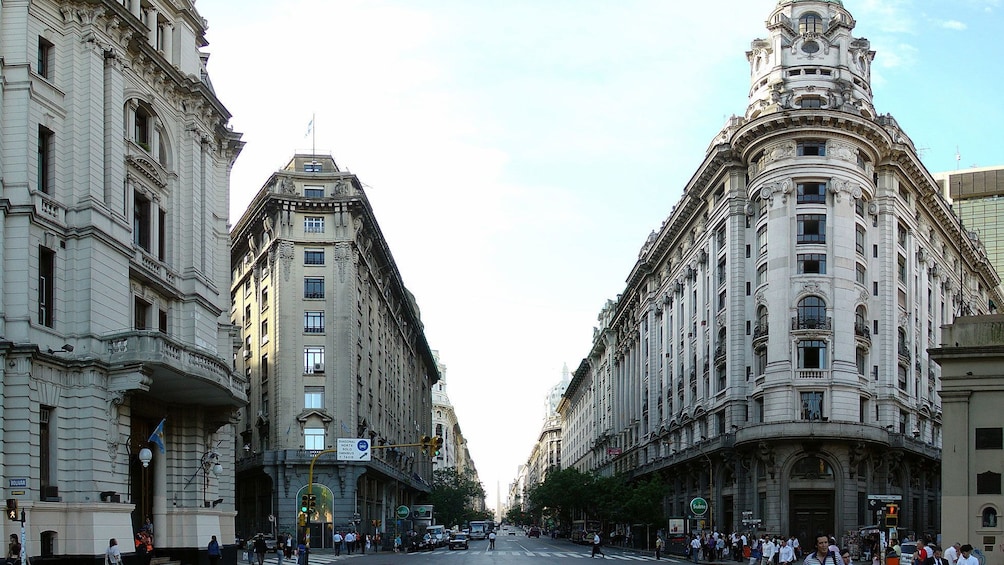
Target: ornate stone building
{"type": "Point", "coordinates": [769, 351]}
{"type": "Point", "coordinates": [332, 347]}
{"type": "Point", "coordinates": [114, 304]}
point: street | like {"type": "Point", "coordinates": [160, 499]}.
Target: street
{"type": "Point", "coordinates": [510, 549]}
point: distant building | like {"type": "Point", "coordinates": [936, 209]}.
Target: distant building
{"type": "Point", "coordinates": [454, 453]}
{"type": "Point", "coordinates": [332, 346]}
{"type": "Point", "coordinates": [972, 393]}
{"type": "Point", "coordinates": [769, 350]}
{"type": "Point", "coordinates": [115, 163]}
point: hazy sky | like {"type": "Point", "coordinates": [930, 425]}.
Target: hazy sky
{"type": "Point", "coordinates": [518, 153]}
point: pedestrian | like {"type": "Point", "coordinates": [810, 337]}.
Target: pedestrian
{"type": "Point", "coordinates": [596, 546]}
{"type": "Point", "coordinates": [491, 541]}
{"type": "Point", "coordinates": [14, 551]}
{"type": "Point", "coordinates": [937, 558]}
{"type": "Point", "coordinates": [921, 554]}
{"type": "Point", "coordinates": [822, 555]}
{"type": "Point", "coordinates": [967, 556]}
{"type": "Point", "coordinates": [769, 551]}
{"type": "Point", "coordinates": [350, 541]}
{"type": "Point", "coordinates": [280, 548]}
{"type": "Point", "coordinates": [113, 555]}
{"type": "Point", "coordinates": [658, 546]}
{"type": "Point", "coordinates": [845, 554]}
{"type": "Point", "coordinates": [377, 540]}
{"type": "Point", "coordinates": [213, 551]}
{"type": "Point", "coordinates": [695, 548]}
{"type": "Point", "coordinates": [301, 552]}
{"type": "Point", "coordinates": [260, 549]}
{"type": "Point", "coordinates": [952, 553]}
{"type": "Point", "coordinates": [336, 540]}
{"type": "Point", "coordinates": [397, 543]}
{"type": "Point", "coordinates": [786, 555]}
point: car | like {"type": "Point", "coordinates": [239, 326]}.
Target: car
{"type": "Point", "coordinates": [511, 531]}
{"type": "Point", "coordinates": [906, 551]}
{"type": "Point", "coordinates": [458, 541]}
{"type": "Point", "coordinates": [533, 532]}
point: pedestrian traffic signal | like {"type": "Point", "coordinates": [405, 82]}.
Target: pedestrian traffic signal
{"type": "Point", "coordinates": [12, 509]}
{"type": "Point", "coordinates": [438, 445]}
{"type": "Point", "coordinates": [303, 504]}
{"type": "Point", "coordinates": [891, 515]}
{"type": "Point", "coordinates": [425, 441]}
{"type": "Point", "coordinates": [312, 504]}
{"type": "Point", "coordinates": [301, 519]}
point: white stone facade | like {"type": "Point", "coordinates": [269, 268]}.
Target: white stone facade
{"type": "Point", "coordinates": [114, 156]}
{"type": "Point", "coordinates": [775, 328]}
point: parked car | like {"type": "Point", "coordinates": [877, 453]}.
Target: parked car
{"type": "Point", "coordinates": [458, 541]}
{"type": "Point", "coordinates": [906, 551]}
{"type": "Point", "coordinates": [533, 532]}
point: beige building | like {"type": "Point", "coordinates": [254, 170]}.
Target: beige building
{"type": "Point", "coordinates": [114, 310]}
{"type": "Point", "coordinates": [972, 392]}
{"type": "Point", "coordinates": [769, 350]}
{"type": "Point", "coordinates": [332, 346]}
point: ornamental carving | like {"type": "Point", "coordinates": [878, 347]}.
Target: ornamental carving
{"type": "Point", "coordinates": [287, 186]}
{"type": "Point", "coordinates": [783, 187]}
{"type": "Point", "coordinates": [343, 254]}
{"type": "Point", "coordinates": [286, 252]}
{"type": "Point", "coordinates": [781, 151]}
{"type": "Point", "coordinates": [843, 151]}
{"type": "Point", "coordinates": [838, 186]}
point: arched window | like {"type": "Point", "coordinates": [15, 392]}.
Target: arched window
{"type": "Point", "coordinates": [810, 23]}
{"type": "Point", "coordinates": [811, 312]}
{"type": "Point", "coordinates": [761, 322]}
{"type": "Point", "coordinates": [990, 517]}
{"type": "Point", "coordinates": [811, 467]}
{"type": "Point", "coordinates": [860, 321]}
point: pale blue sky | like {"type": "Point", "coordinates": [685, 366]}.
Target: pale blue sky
{"type": "Point", "coordinates": [518, 153]}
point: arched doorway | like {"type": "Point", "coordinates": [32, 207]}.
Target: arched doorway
{"type": "Point", "coordinates": [811, 487]}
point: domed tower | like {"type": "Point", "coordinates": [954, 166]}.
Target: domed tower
{"type": "Point", "coordinates": [810, 61]}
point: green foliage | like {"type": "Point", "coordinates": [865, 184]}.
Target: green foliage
{"type": "Point", "coordinates": [453, 496]}
{"type": "Point", "coordinates": [570, 494]}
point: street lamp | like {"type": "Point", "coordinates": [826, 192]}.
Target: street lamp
{"type": "Point", "coordinates": [145, 456]}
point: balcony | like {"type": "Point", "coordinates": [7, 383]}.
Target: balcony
{"type": "Point", "coordinates": [759, 331]}
{"type": "Point", "coordinates": [811, 373]}
{"type": "Point", "coordinates": [720, 353]}
{"type": "Point", "coordinates": [172, 371]}
{"type": "Point", "coordinates": [904, 353]}
{"type": "Point", "coordinates": [862, 331]}
{"type": "Point", "coordinates": [811, 323]}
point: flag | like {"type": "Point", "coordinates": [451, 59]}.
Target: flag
{"type": "Point", "coordinates": [310, 127]}
{"type": "Point", "coordinates": [157, 437]}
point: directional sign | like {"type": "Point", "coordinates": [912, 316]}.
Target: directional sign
{"type": "Point", "coordinates": [884, 497]}
{"type": "Point", "coordinates": [353, 449]}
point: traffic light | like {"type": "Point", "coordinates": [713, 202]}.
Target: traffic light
{"type": "Point", "coordinates": [438, 445]}
{"type": "Point", "coordinates": [426, 442]}
{"type": "Point", "coordinates": [891, 515]}
{"type": "Point", "coordinates": [301, 519]}
{"type": "Point", "coordinates": [303, 504]}
{"type": "Point", "coordinates": [12, 509]}
{"type": "Point", "coordinates": [312, 504]}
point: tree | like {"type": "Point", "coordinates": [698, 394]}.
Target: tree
{"type": "Point", "coordinates": [454, 494]}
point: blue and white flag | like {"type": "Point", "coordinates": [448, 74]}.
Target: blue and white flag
{"type": "Point", "coordinates": [157, 437]}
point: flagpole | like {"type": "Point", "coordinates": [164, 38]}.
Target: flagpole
{"type": "Point", "coordinates": [313, 143]}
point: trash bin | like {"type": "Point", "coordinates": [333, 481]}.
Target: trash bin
{"type": "Point", "coordinates": [892, 560]}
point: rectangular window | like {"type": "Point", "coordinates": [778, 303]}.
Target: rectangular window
{"type": "Point", "coordinates": [811, 228]}
{"type": "Point", "coordinates": [812, 405]}
{"type": "Point", "coordinates": [313, 359]}
{"type": "Point", "coordinates": [811, 102]}
{"type": "Point", "coordinates": [313, 322]}
{"type": "Point", "coordinates": [162, 321]}
{"type": "Point", "coordinates": [46, 285]}
{"type": "Point", "coordinates": [263, 368]}
{"type": "Point", "coordinates": [901, 233]}
{"type": "Point", "coordinates": [44, 446]}
{"type": "Point", "coordinates": [901, 268]}
{"type": "Point", "coordinates": [989, 438]}
{"type": "Point", "coordinates": [761, 241]}
{"type": "Point", "coordinates": [141, 221]}
{"type": "Point", "coordinates": [761, 274]}
{"type": "Point", "coordinates": [141, 314]}
{"type": "Point", "coordinates": [45, 162]}
{"type": "Point", "coordinates": [313, 224]}
{"type": "Point", "coordinates": [313, 397]}
{"type": "Point", "coordinates": [988, 483]}
{"type": "Point", "coordinates": [860, 274]}
{"type": "Point", "coordinates": [313, 439]}
{"type": "Point", "coordinates": [859, 240]}
{"type": "Point", "coordinates": [161, 234]}
{"type": "Point", "coordinates": [264, 299]}
{"type": "Point", "coordinates": [812, 263]}
{"type": "Point", "coordinates": [312, 168]}
{"type": "Point", "coordinates": [313, 287]}
{"type": "Point", "coordinates": [811, 354]}
{"type": "Point", "coordinates": [264, 332]}
{"type": "Point", "coordinates": [313, 191]}
{"type": "Point", "coordinates": [811, 147]}
{"type": "Point", "coordinates": [810, 192]}
{"type": "Point", "coordinates": [313, 256]}
{"type": "Point", "coordinates": [43, 65]}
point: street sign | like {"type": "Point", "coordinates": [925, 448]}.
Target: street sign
{"type": "Point", "coordinates": [17, 483]}
{"type": "Point", "coordinates": [403, 512]}
{"type": "Point", "coordinates": [884, 497]}
{"type": "Point", "coordinates": [353, 449]}
{"type": "Point", "coordinates": [699, 506]}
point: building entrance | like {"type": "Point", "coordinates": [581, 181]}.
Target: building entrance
{"type": "Point", "coordinates": [811, 512]}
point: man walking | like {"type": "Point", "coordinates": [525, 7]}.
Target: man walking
{"type": "Point", "coordinates": [336, 540]}
{"type": "Point", "coordinates": [491, 541]}
{"type": "Point", "coordinates": [596, 546]}
{"type": "Point", "coordinates": [822, 555]}
{"type": "Point", "coordinates": [658, 546]}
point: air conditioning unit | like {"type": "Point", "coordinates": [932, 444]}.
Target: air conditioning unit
{"type": "Point", "coordinates": [318, 367]}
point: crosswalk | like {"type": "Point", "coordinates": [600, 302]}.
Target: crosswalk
{"type": "Point", "coordinates": [586, 554]}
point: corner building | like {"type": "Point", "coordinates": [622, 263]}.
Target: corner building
{"type": "Point", "coordinates": [332, 347]}
{"type": "Point", "coordinates": [769, 351]}
{"type": "Point", "coordinates": [115, 158]}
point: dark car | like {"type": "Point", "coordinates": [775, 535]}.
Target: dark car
{"type": "Point", "coordinates": [533, 532]}
{"type": "Point", "coordinates": [458, 541]}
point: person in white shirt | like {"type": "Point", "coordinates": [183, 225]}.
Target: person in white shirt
{"type": "Point", "coordinates": [967, 557]}
{"type": "Point", "coordinates": [786, 555]}
{"type": "Point", "coordinates": [952, 553]}
{"type": "Point", "coordinates": [769, 549]}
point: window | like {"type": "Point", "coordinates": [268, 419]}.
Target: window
{"type": "Point", "coordinates": [264, 332]}
{"type": "Point", "coordinates": [46, 285]}
{"type": "Point", "coordinates": [812, 405]}
{"type": "Point", "coordinates": [313, 322]}
{"type": "Point", "coordinates": [313, 359]}
{"type": "Point", "coordinates": [812, 354]}
{"type": "Point", "coordinates": [141, 127]}
{"type": "Point", "coordinates": [859, 240]}
{"type": "Point", "coordinates": [313, 191]}
{"type": "Point", "coordinates": [761, 361]}
{"type": "Point", "coordinates": [811, 228]}
{"type": "Point", "coordinates": [313, 256]}
{"type": "Point", "coordinates": [264, 299]}
{"type": "Point", "coordinates": [810, 192]}
{"type": "Point", "coordinates": [860, 274]}
{"type": "Point", "coordinates": [990, 517]}
{"type": "Point", "coordinates": [761, 274]}
{"type": "Point", "coordinates": [43, 66]}
{"type": "Point", "coordinates": [901, 269]}
{"type": "Point", "coordinates": [263, 369]}
{"type": "Point", "coordinates": [811, 312]}
{"type": "Point", "coordinates": [812, 263]}
{"type": "Point", "coordinates": [45, 162]}
{"type": "Point", "coordinates": [313, 224]}
{"type": "Point", "coordinates": [162, 321]}
{"type": "Point", "coordinates": [313, 397]}
{"type": "Point", "coordinates": [141, 221]}
{"type": "Point", "coordinates": [44, 446]}
{"type": "Point", "coordinates": [989, 438]}
{"type": "Point", "coordinates": [988, 483]}
{"type": "Point", "coordinates": [313, 439]}
{"type": "Point", "coordinates": [810, 101]}
{"type": "Point", "coordinates": [901, 233]}
{"type": "Point", "coordinates": [861, 358]}
{"type": "Point", "coordinates": [761, 241]}
{"type": "Point", "coordinates": [247, 316]}
{"type": "Point", "coordinates": [812, 147]}
{"type": "Point", "coordinates": [312, 168]}
{"type": "Point", "coordinates": [810, 23]}
{"type": "Point", "coordinates": [141, 314]}
{"type": "Point", "coordinates": [313, 287]}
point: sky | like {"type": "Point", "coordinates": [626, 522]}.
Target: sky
{"type": "Point", "coordinates": [518, 153]}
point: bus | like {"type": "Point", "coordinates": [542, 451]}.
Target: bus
{"type": "Point", "coordinates": [479, 529]}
